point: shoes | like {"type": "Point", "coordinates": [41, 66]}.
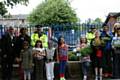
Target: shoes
{"type": "Point", "coordinates": [84, 78]}
{"type": "Point", "coordinates": [100, 78]}
{"type": "Point", "coordinates": [106, 75]}
{"type": "Point", "coordinates": [109, 75]}
{"type": "Point", "coordinates": [96, 77]}
{"type": "Point", "coordinates": [62, 78]}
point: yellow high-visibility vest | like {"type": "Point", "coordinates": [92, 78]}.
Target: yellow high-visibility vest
{"type": "Point", "coordinates": [43, 38]}
{"type": "Point", "coordinates": [90, 36]}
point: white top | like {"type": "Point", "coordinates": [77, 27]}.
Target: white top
{"type": "Point", "coordinates": [50, 53]}
{"type": "Point", "coordinates": [39, 51]}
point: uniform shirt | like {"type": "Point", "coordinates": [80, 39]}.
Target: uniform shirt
{"type": "Point", "coordinates": [36, 37]}
{"type": "Point", "coordinates": [90, 36]}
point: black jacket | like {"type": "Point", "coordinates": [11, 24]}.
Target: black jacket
{"type": "Point", "coordinates": [19, 43]}
{"type": "Point", "coordinates": [8, 47]}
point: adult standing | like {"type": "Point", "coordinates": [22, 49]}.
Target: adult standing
{"type": "Point", "coordinates": [19, 46]}
{"type": "Point", "coordinates": [8, 53]}
{"type": "Point", "coordinates": [91, 34]}
{"type": "Point", "coordinates": [106, 37]}
{"type": "Point", "coordinates": [116, 55]}
{"type": "Point", "coordinates": [39, 35]}
{"type": "Point", "coordinates": [97, 55]}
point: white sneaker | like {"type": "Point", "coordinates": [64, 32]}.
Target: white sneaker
{"type": "Point", "coordinates": [100, 77]}
{"type": "Point", "coordinates": [84, 78]}
{"type": "Point", "coordinates": [96, 78]}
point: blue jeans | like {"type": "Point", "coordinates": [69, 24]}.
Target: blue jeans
{"type": "Point", "coordinates": [62, 68]}
{"type": "Point", "coordinates": [85, 67]}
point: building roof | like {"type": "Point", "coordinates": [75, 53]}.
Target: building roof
{"type": "Point", "coordinates": [111, 14]}
{"type": "Point", "coordinates": [20, 16]}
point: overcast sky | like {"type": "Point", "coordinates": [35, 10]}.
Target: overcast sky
{"type": "Point", "coordinates": [84, 8]}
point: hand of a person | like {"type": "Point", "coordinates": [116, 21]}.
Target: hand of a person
{"type": "Point", "coordinates": [31, 65]}
{"type": "Point", "coordinates": [18, 60]}
{"type": "Point", "coordinates": [57, 61]}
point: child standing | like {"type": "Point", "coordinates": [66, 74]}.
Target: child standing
{"type": "Point", "coordinates": [84, 59]}
{"type": "Point", "coordinates": [26, 60]}
{"type": "Point", "coordinates": [50, 61]}
{"type": "Point", "coordinates": [62, 57]}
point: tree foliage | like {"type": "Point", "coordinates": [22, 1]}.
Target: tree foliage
{"type": "Point", "coordinates": [15, 2]}
{"type": "Point", "coordinates": [97, 21]}
{"type": "Point", "coordinates": [3, 10]}
{"type": "Point", "coordinates": [10, 3]}
{"type": "Point", "coordinates": [53, 12]}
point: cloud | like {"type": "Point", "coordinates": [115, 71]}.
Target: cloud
{"type": "Point", "coordinates": [95, 8]}
{"type": "Point", "coordinates": [22, 9]}
{"type": "Point", "coordinates": [84, 8]}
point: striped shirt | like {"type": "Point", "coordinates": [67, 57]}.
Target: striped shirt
{"type": "Point", "coordinates": [63, 52]}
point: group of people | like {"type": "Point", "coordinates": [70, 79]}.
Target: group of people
{"type": "Point", "coordinates": [35, 54]}
{"type": "Point", "coordinates": [105, 46]}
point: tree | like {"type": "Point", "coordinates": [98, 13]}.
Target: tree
{"type": "Point", "coordinates": [53, 12]}
{"type": "Point", "coordinates": [10, 3]}
{"type": "Point", "coordinates": [3, 10]}
{"type": "Point", "coordinates": [15, 2]}
{"type": "Point", "coordinates": [97, 21]}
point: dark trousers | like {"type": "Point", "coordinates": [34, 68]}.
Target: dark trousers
{"type": "Point", "coordinates": [85, 68]}
{"type": "Point", "coordinates": [39, 70]}
{"type": "Point", "coordinates": [6, 68]}
{"type": "Point", "coordinates": [107, 67]}
{"type": "Point", "coordinates": [116, 66]}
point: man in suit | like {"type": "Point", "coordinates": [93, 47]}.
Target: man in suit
{"type": "Point", "coordinates": [8, 53]}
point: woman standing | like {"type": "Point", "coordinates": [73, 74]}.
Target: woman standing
{"type": "Point", "coordinates": [116, 55]}
{"type": "Point", "coordinates": [97, 56]}
{"type": "Point", "coordinates": [106, 36]}
{"type": "Point", "coordinates": [38, 54]}
{"type": "Point", "coordinates": [62, 57]}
